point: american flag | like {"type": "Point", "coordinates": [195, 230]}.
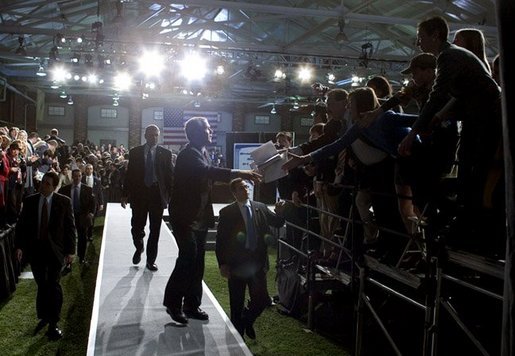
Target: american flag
{"type": "Point", "coordinates": [173, 124]}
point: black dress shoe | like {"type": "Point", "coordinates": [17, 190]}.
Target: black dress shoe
{"type": "Point", "coordinates": [198, 314]}
{"type": "Point", "coordinates": [136, 258]}
{"type": "Point", "coordinates": [177, 315]}
{"type": "Point", "coordinates": [42, 323]}
{"type": "Point", "coordinates": [249, 330]}
{"type": "Point", "coordinates": [152, 267]}
{"type": "Point", "coordinates": [54, 333]}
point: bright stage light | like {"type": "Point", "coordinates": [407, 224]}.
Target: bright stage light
{"type": "Point", "coordinates": [92, 78]}
{"type": "Point", "coordinates": [59, 74]}
{"type": "Point", "coordinates": [305, 74]}
{"type": "Point", "coordinates": [193, 67]}
{"type": "Point", "coordinates": [151, 64]}
{"type": "Point", "coordinates": [122, 81]}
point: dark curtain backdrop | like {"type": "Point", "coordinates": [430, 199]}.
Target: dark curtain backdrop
{"type": "Point", "coordinates": [505, 16]}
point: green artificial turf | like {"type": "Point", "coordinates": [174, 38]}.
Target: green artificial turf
{"type": "Point", "coordinates": [276, 334]}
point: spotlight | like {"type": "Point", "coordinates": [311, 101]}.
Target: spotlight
{"type": "Point", "coordinates": [63, 94]}
{"type": "Point", "coordinates": [68, 75]}
{"type": "Point", "coordinates": [70, 100]}
{"type": "Point", "coordinates": [115, 102]}
{"type": "Point", "coordinates": [41, 71]}
{"type": "Point", "coordinates": [220, 69]}
{"type": "Point", "coordinates": [59, 74]}
{"type": "Point", "coordinates": [79, 39]}
{"type": "Point", "coordinates": [116, 96]}
{"type": "Point", "coordinates": [279, 74]}
{"type": "Point", "coordinates": [330, 78]}
{"type": "Point", "coordinates": [273, 111]}
{"type": "Point", "coordinates": [151, 64]}
{"type": "Point", "coordinates": [75, 58]}
{"type": "Point", "coordinates": [150, 85]}
{"type": "Point", "coordinates": [405, 81]}
{"type": "Point", "coordinates": [59, 40]}
{"type": "Point", "coordinates": [184, 91]}
{"type": "Point", "coordinates": [84, 78]}
{"type": "Point", "coordinates": [305, 74]}
{"type": "Point", "coordinates": [54, 85]}
{"type": "Point", "coordinates": [92, 78]}
{"type": "Point", "coordinates": [196, 103]}
{"type": "Point", "coordinates": [76, 77]}
{"type": "Point", "coordinates": [101, 81]}
{"type": "Point", "coordinates": [144, 96]}
{"type": "Point", "coordinates": [193, 67]}
{"type": "Point", "coordinates": [295, 105]}
{"type": "Point", "coordinates": [122, 81]}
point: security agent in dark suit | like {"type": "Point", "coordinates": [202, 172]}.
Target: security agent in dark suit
{"type": "Point", "coordinates": [45, 236]}
{"type": "Point", "coordinates": [98, 192]}
{"type": "Point", "coordinates": [241, 250]}
{"type": "Point", "coordinates": [83, 203]}
{"type": "Point", "coordinates": [147, 187]}
{"type": "Point", "coordinates": [191, 214]}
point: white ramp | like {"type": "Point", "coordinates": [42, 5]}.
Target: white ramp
{"type": "Point", "coordinates": [128, 316]}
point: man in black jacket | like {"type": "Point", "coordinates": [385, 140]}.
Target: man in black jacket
{"type": "Point", "coordinates": [45, 236]}
{"type": "Point", "coordinates": [241, 251]}
{"type": "Point", "coordinates": [191, 214]}
{"type": "Point", "coordinates": [147, 187]}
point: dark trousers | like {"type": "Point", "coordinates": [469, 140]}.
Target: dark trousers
{"type": "Point", "coordinates": [185, 283]}
{"type": "Point", "coordinates": [148, 204]}
{"type": "Point", "coordinates": [47, 273]}
{"type": "Point", "coordinates": [259, 299]}
{"type": "Point", "coordinates": [82, 240]}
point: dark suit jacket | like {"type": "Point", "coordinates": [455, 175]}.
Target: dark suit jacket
{"type": "Point", "coordinates": [87, 204]}
{"type": "Point", "coordinates": [135, 176]}
{"type": "Point", "coordinates": [97, 191]}
{"type": "Point", "coordinates": [231, 238]}
{"type": "Point", "coordinates": [61, 227]}
{"type": "Point", "coordinates": [191, 192]}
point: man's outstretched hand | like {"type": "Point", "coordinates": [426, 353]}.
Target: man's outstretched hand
{"type": "Point", "coordinates": [296, 161]}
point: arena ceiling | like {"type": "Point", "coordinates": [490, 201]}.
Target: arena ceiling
{"type": "Point", "coordinates": [250, 39]}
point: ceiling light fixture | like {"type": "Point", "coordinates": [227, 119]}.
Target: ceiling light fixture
{"type": "Point", "coordinates": [330, 78]}
{"type": "Point", "coordinates": [21, 48]}
{"type": "Point", "coordinates": [273, 111]}
{"type": "Point", "coordinates": [151, 64]}
{"type": "Point", "coordinates": [41, 71]}
{"type": "Point", "coordinates": [70, 100]}
{"type": "Point", "coordinates": [305, 74]}
{"type": "Point", "coordinates": [63, 94]}
{"type": "Point", "coordinates": [341, 37]}
{"type": "Point", "coordinates": [193, 67]}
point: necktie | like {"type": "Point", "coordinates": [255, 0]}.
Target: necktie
{"type": "Point", "coordinates": [43, 225]}
{"type": "Point", "coordinates": [251, 231]}
{"type": "Point", "coordinates": [149, 169]}
{"type": "Point", "coordinates": [76, 202]}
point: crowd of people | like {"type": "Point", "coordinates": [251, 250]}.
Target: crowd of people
{"type": "Point", "coordinates": [26, 157]}
{"type": "Point", "coordinates": [362, 138]}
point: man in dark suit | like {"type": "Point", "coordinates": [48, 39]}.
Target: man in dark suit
{"type": "Point", "coordinates": [191, 214]}
{"type": "Point", "coordinates": [147, 187]}
{"type": "Point", "coordinates": [45, 236]}
{"type": "Point", "coordinates": [83, 203]}
{"type": "Point", "coordinates": [241, 251]}
{"type": "Point", "coordinates": [94, 183]}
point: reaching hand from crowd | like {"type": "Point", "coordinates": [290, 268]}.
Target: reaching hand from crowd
{"type": "Point", "coordinates": [296, 161]}
{"type": "Point", "coordinates": [250, 175]}
{"type": "Point", "coordinates": [406, 144]}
